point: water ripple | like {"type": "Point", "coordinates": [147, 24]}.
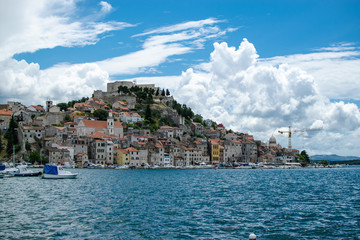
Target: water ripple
{"type": "Point", "coordinates": [190, 204]}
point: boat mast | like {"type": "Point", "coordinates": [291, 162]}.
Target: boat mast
{"type": "Point", "coordinates": [13, 155]}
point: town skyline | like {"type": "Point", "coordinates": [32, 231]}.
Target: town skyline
{"type": "Point", "coordinates": [255, 67]}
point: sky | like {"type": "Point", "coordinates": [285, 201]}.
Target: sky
{"type": "Point", "coordinates": [254, 66]}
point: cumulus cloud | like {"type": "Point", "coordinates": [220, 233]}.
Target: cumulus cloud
{"type": "Point", "coordinates": [249, 95]}
{"type": "Point", "coordinates": [25, 82]}
{"type": "Point", "coordinates": [335, 69]}
{"type": "Point", "coordinates": [46, 24]}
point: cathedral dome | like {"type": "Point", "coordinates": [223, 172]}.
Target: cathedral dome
{"type": "Point", "coordinates": [272, 141]}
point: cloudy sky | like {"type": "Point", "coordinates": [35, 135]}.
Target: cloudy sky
{"type": "Point", "coordinates": [255, 66]}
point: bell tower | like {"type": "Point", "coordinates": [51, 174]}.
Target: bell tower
{"type": "Point", "coordinates": [110, 123]}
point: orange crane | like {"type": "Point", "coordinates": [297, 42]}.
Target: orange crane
{"type": "Point", "coordinates": [297, 130]}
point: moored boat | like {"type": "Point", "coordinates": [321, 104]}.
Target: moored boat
{"type": "Point", "coordinates": [57, 172]}
{"type": "Point", "coordinates": [7, 172]}
{"type": "Point", "coordinates": [23, 171]}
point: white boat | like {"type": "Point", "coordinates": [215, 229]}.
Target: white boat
{"type": "Point", "coordinates": [23, 171]}
{"type": "Point", "coordinates": [57, 172]}
{"type": "Point", "coordinates": [122, 167]}
{"type": "Point", "coordinates": [7, 172]}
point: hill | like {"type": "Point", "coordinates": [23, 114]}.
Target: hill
{"type": "Point", "coordinates": [333, 157]}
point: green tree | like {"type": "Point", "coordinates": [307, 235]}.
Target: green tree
{"type": "Point", "coordinates": [157, 92]}
{"type": "Point", "coordinates": [11, 136]}
{"type": "Point", "coordinates": [34, 157]}
{"type": "Point", "coordinates": [27, 146]}
{"type": "Point", "coordinates": [101, 114]}
{"type": "Point", "coordinates": [304, 157]}
{"type": "Point", "coordinates": [167, 92]}
{"type": "Point", "coordinates": [324, 162]}
{"type": "Point", "coordinates": [148, 114]}
{"type": "Point", "coordinates": [62, 106]}
{"type": "Point", "coordinates": [67, 118]}
{"type": "Point", "coordinates": [198, 119]}
{"type": "Point", "coordinates": [163, 92]}
{"type": "Point", "coordinates": [123, 89]}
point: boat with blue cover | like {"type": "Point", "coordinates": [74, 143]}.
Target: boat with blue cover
{"type": "Point", "coordinates": [57, 172]}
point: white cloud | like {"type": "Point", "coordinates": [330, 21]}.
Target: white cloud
{"type": "Point", "coordinates": [181, 27]}
{"type": "Point", "coordinates": [335, 69]}
{"type": "Point", "coordinates": [248, 95]}
{"type": "Point", "coordinates": [46, 24]}
{"type": "Point", "coordinates": [25, 82]}
{"type": "Point", "coordinates": [105, 7]}
{"type": "Point", "coordinates": [157, 48]}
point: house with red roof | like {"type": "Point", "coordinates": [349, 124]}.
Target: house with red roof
{"type": "Point", "coordinates": [109, 127]}
{"type": "Point", "coordinates": [5, 117]}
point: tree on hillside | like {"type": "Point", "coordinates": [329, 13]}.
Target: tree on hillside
{"type": "Point", "coordinates": [123, 89]}
{"type": "Point", "coordinates": [101, 114]}
{"type": "Point", "coordinates": [11, 136]}
{"type": "Point", "coordinates": [62, 106]}
{"type": "Point", "coordinates": [67, 118]}
{"type": "Point", "coordinates": [148, 114]}
{"type": "Point", "coordinates": [167, 92]}
{"type": "Point", "coordinates": [163, 92]}
{"type": "Point", "coordinates": [27, 146]}
{"type": "Point", "coordinates": [34, 157]}
{"type": "Point", "coordinates": [157, 92]}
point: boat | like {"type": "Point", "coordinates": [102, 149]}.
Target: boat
{"type": "Point", "coordinates": [7, 172]}
{"type": "Point", "coordinates": [122, 167]}
{"type": "Point", "coordinates": [57, 172]}
{"type": "Point", "coordinates": [23, 171]}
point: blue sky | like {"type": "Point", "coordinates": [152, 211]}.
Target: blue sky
{"type": "Point", "coordinates": [276, 28]}
{"type": "Point", "coordinates": [255, 66]}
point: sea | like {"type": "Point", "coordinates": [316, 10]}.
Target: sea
{"type": "Point", "coordinates": [305, 203]}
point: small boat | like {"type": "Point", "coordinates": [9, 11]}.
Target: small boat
{"type": "Point", "coordinates": [57, 172]}
{"type": "Point", "coordinates": [7, 172]}
{"type": "Point", "coordinates": [23, 171]}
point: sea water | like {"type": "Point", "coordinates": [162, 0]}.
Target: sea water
{"type": "Point", "coordinates": [184, 204]}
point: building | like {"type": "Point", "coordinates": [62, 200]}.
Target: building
{"type": "Point", "coordinates": [109, 127]}
{"type": "Point", "coordinates": [122, 156]}
{"type": "Point", "coordinates": [59, 156]}
{"type": "Point", "coordinates": [214, 149]}
{"type": "Point", "coordinates": [102, 152]}
{"type": "Point", "coordinates": [30, 134]}
{"type": "Point", "coordinates": [5, 117]}
{"type": "Point", "coordinates": [130, 117]}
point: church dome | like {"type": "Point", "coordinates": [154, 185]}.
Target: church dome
{"type": "Point", "coordinates": [272, 141]}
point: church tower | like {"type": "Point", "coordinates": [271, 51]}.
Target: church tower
{"type": "Point", "coordinates": [110, 123]}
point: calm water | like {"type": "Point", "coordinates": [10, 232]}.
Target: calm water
{"type": "Point", "coordinates": [189, 204]}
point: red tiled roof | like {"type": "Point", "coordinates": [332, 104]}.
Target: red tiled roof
{"type": "Point", "coordinates": [122, 103]}
{"type": "Point", "coordinates": [124, 151]}
{"type": "Point", "coordinates": [5, 112]}
{"type": "Point", "coordinates": [98, 135]}
{"type": "Point", "coordinates": [38, 108]}
{"type": "Point", "coordinates": [81, 105]}
{"type": "Point", "coordinates": [99, 124]}
{"type": "Point", "coordinates": [131, 149]}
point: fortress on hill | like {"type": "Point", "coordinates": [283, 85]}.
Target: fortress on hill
{"type": "Point", "coordinates": [112, 94]}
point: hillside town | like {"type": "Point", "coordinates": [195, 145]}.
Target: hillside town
{"type": "Point", "coordinates": [132, 125]}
